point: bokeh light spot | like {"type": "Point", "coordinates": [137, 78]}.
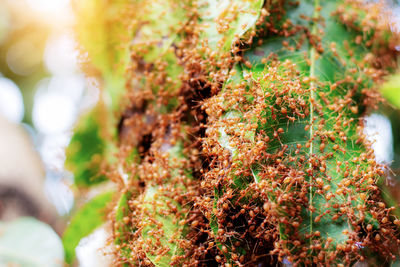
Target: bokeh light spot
{"type": "Point", "coordinates": [53, 112]}
{"type": "Point", "coordinates": [11, 102]}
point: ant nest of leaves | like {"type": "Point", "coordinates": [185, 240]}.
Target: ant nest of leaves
{"type": "Point", "coordinates": [243, 139]}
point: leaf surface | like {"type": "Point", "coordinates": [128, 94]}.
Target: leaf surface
{"type": "Point", "coordinates": [85, 221]}
{"type": "Point", "coordinates": [294, 61]}
{"type": "Point", "coordinates": [226, 21]}
{"type": "Point", "coordinates": [87, 149]}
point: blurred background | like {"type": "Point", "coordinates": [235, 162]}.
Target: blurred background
{"type": "Point", "coordinates": [42, 93]}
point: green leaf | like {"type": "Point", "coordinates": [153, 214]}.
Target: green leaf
{"type": "Point", "coordinates": [122, 210]}
{"type": "Point", "coordinates": [237, 16]}
{"type": "Point", "coordinates": [391, 91]}
{"type": "Point", "coordinates": [162, 214]}
{"type": "Point", "coordinates": [160, 217]}
{"type": "Point", "coordinates": [155, 29]}
{"type": "Point", "coordinates": [87, 149]}
{"type": "Point", "coordinates": [157, 26]}
{"type": "Point", "coordinates": [327, 69]}
{"type": "Point", "coordinates": [267, 78]}
{"type": "Point", "coordinates": [255, 107]}
{"type": "Point", "coordinates": [27, 242]}
{"type": "Point", "coordinates": [84, 222]}
{"type": "Point", "coordinates": [122, 227]}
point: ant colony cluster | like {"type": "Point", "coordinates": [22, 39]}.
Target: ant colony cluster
{"type": "Point", "coordinates": [239, 134]}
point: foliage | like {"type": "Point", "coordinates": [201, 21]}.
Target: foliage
{"type": "Point", "coordinates": [85, 221]}
{"type": "Point", "coordinates": [87, 149]}
{"type": "Point", "coordinates": [391, 91]}
{"type": "Point", "coordinates": [240, 133]}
